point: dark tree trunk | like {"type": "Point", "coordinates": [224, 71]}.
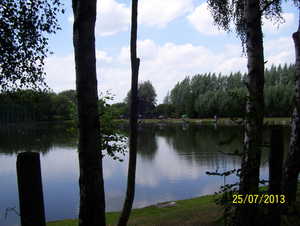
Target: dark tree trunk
{"type": "Point", "coordinates": [92, 201]}
{"type": "Point", "coordinates": [292, 164]}
{"type": "Point", "coordinates": [124, 216]}
{"type": "Point", "coordinates": [249, 181]}
{"type": "Point", "coordinates": [255, 103]}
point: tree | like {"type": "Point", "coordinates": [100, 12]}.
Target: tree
{"type": "Point", "coordinates": [166, 110]}
{"type": "Point", "coordinates": [174, 95]}
{"type": "Point", "coordinates": [60, 105]}
{"type": "Point", "coordinates": [135, 63]}
{"type": "Point", "coordinates": [179, 95]}
{"type": "Point", "coordinates": [71, 94]}
{"type": "Point", "coordinates": [291, 167]}
{"type": "Point", "coordinates": [159, 110]}
{"type": "Point", "coordinates": [112, 140]}
{"type": "Point", "coordinates": [25, 105]}
{"type": "Point", "coordinates": [92, 201]}
{"type": "Point", "coordinates": [147, 97]}
{"type": "Point", "coordinates": [247, 16]}
{"type": "Point", "coordinates": [201, 104]}
{"type": "Point", "coordinates": [123, 109]}
{"type": "Point", "coordinates": [23, 45]}
{"type": "Point", "coordinates": [190, 106]}
{"type": "Point", "coordinates": [167, 99]}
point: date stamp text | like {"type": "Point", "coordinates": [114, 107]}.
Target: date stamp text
{"type": "Point", "coordinates": [260, 199]}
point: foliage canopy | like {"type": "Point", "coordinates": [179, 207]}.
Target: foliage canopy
{"type": "Point", "coordinates": [147, 97]}
{"type": "Point", "coordinates": [23, 45]}
{"type": "Point", "coordinates": [226, 12]}
{"type": "Point", "coordinates": [111, 139]}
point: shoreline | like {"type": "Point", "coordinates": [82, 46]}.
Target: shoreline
{"type": "Point", "coordinates": [195, 211]}
{"type": "Point", "coordinates": [271, 120]}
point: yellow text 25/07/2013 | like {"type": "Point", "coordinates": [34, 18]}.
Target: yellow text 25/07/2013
{"type": "Point", "coordinates": [263, 198]}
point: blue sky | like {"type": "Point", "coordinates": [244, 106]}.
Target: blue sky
{"type": "Point", "coordinates": [176, 38]}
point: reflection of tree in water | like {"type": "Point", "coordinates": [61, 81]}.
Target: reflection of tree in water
{"type": "Point", "coordinates": [199, 143]}
{"type": "Point", "coordinates": [146, 140]}
{"type": "Point", "coordinates": [40, 137]}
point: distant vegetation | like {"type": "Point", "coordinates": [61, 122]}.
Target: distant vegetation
{"type": "Point", "coordinates": [28, 105]}
{"type": "Point", "coordinates": [201, 96]}
{"type": "Point", "coordinates": [207, 95]}
{"type": "Point", "coordinates": [214, 93]}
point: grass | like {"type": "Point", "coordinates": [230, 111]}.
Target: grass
{"type": "Point", "coordinates": [196, 211]}
{"type": "Point", "coordinates": [191, 212]}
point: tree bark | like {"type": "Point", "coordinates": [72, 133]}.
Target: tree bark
{"type": "Point", "coordinates": [291, 167]}
{"type": "Point", "coordinates": [124, 216]}
{"type": "Point", "coordinates": [249, 180]}
{"type": "Point", "coordinates": [255, 102]}
{"type": "Point", "coordinates": [92, 201]}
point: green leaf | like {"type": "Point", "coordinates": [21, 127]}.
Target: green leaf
{"type": "Point", "coordinates": [229, 141]}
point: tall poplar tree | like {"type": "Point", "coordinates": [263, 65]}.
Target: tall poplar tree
{"type": "Point", "coordinates": [247, 17]}
{"type": "Point", "coordinates": [92, 201]}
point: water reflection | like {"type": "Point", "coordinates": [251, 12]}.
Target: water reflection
{"type": "Point", "coordinates": [171, 165]}
{"type": "Point", "coordinates": [34, 137]}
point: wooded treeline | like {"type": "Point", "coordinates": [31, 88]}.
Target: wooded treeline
{"type": "Point", "coordinates": [29, 105]}
{"type": "Point", "coordinates": [206, 95]}
{"type": "Point", "coordinates": [202, 96]}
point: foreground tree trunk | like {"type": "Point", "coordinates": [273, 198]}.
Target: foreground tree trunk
{"type": "Point", "coordinates": [249, 181]}
{"type": "Point", "coordinates": [135, 62]}
{"type": "Point", "coordinates": [291, 167]}
{"type": "Point", "coordinates": [92, 202]}
{"type": "Point", "coordinates": [255, 103]}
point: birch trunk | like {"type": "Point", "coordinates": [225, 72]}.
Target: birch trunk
{"type": "Point", "coordinates": [249, 180]}
{"type": "Point", "coordinates": [92, 202]}
{"type": "Point", "coordinates": [255, 103]}
{"type": "Point", "coordinates": [292, 164]}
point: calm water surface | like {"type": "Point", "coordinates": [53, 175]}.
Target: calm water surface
{"type": "Point", "coordinates": [171, 165]}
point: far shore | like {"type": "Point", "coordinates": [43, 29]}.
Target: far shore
{"type": "Point", "coordinates": [270, 120]}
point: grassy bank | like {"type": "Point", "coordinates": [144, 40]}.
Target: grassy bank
{"type": "Point", "coordinates": [196, 211]}
{"type": "Point", "coordinates": [191, 212]}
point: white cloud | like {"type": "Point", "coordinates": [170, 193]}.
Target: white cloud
{"type": "Point", "coordinates": [61, 70]}
{"type": "Point", "coordinates": [233, 65]}
{"type": "Point", "coordinates": [279, 51]}
{"type": "Point", "coordinates": [102, 59]}
{"type": "Point", "coordinates": [270, 27]}
{"type": "Point", "coordinates": [203, 21]}
{"type": "Point", "coordinates": [145, 51]}
{"type": "Point", "coordinates": [163, 65]}
{"type": "Point", "coordinates": [280, 58]}
{"type": "Point", "coordinates": [112, 17]}
{"type": "Point", "coordinates": [166, 65]}
{"type": "Point", "coordinates": [157, 12]}
{"type": "Point", "coordinates": [283, 43]}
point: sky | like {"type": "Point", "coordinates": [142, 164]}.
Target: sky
{"type": "Point", "coordinates": [176, 38]}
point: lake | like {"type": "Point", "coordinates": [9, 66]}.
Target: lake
{"type": "Point", "coordinates": [171, 164]}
